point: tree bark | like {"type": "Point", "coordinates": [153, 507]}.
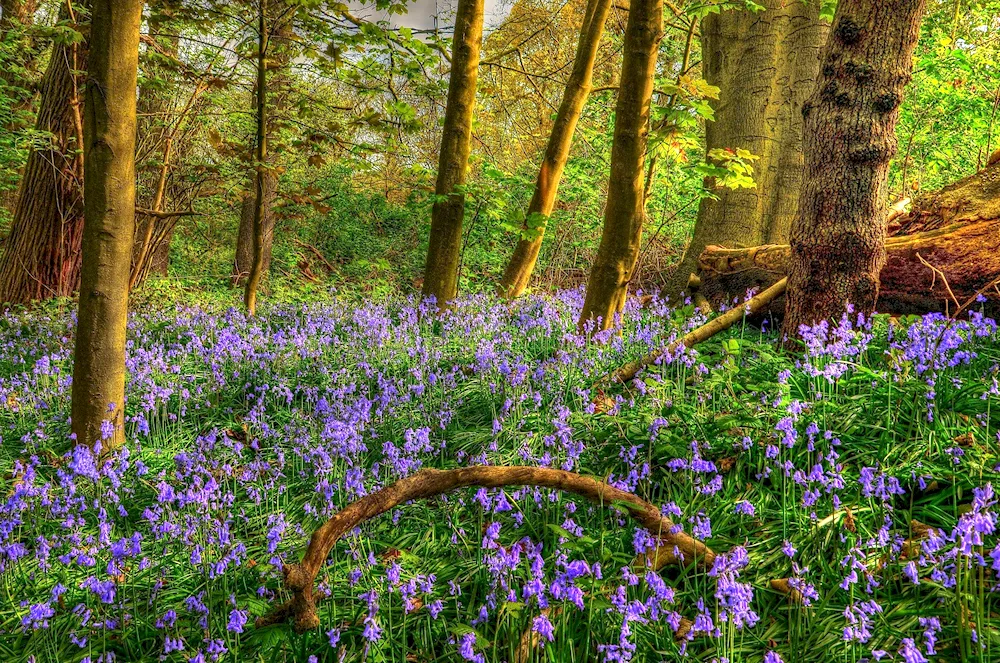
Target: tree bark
{"type": "Point", "coordinates": [937, 270]}
{"type": "Point", "coordinates": [260, 169]}
{"type": "Point", "coordinates": [675, 547]}
{"type": "Point", "coordinates": [244, 239]}
{"type": "Point", "coordinates": [625, 211]}
{"type": "Point", "coordinates": [447, 215]}
{"type": "Point", "coordinates": [109, 152]}
{"type": "Point", "coordinates": [766, 65]}
{"type": "Point", "coordinates": [518, 273]}
{"type": "Point", "coordinates": [41, 257]}
{"type": "Point", "coordinates": [838, 237]}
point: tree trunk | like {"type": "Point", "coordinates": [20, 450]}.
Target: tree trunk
{"type": "Point", "coordinates": [625, 210]}
{"type": "Point", "coordinates": [41, 257]}
{"type": "Point", "coordinates": [260, 168]}
{"type": "Point", "coordinates": [277, 61]}
{"type": "Point", "coordinates": [956, 229]}
{"type": "Point", "coordinates": [441, 268]}
{"type": "Point", "coordinates": [766, 65]}
{"type": "Point", "coordinates": [937, 270]}
{"type": "Point", "coordinates": [522, 263]}
{"type": "Point", "coordinates": [244, 238]}
{"type": "Point", "coordinates": [109, 152]}
{"type": "Point", "coordinates": [838, 237]}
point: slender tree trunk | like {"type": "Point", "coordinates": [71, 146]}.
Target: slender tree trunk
{"type": "Point", "coordinates": [838, 237]}
{"type": "Point", "coordinates": [625, 210]}
{"type": "Point", "coordinates": [98, 400]}
{"type": "Point", "coordinates": [441, 268]}
{"type": "Point", "coordinates": [41, 257]}
{"type": "Point", "coordinates": [766, 65]}
{"type": "Point", "coordinates": [260, 199]}
{"type": "Point", "coordinates": [278, 59]}
{"type": "Point", "coordinates": [522, 263]}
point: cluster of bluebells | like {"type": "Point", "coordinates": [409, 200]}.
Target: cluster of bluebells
{"type": "Point", "coordinates": [244, 433]}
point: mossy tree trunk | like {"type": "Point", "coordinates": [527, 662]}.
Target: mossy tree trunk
{"type": "Point", "coordinates": [838, 236]}
{"type": "Point", "coordinates": [98, 400]}
{"type": "Point", "coordinates": [441, 267]}
{"type": "Point", "coordinates": [765, 65]}
{"type": "Point", "coordinates": [41, 257]}
{"type": "Point", "coordinates": [518, 273]}
{"type": "Point", "coordinates": [625, 212]}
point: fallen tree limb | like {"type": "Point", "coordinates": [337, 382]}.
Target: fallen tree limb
{"type": "Point", "coordinates": [706, 331]}
{"type": "Point", "coordinates": [924, 272]}
{"type": "Point", "coordinates": [300, 578]}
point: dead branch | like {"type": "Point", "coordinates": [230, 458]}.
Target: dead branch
{"type": "Point", "coordinates": [300, 578]}
{"type": "Point", "coordinates": [706, 331]}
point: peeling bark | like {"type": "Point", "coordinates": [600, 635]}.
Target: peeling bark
{"type": "Point", "coordinates": [41, 257]}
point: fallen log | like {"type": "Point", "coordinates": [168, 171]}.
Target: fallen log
{"type": "Point", "coordinates": [936, 270]}
{"type": "Point", "coordinates": [673, 546]}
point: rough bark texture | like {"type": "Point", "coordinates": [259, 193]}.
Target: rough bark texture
{"type": "Point", "coordinates": [109, 153]}
{"type": "Point", "coordinates": [838, 237]}
{"type": "Point", "coordinates": [974, 198]}
{"type": "Point", "coordinates": [766, 65]}
{"type": "Point", "coordinates": [518, 273]}
{"type": "Point", "coordinates": [443, 252]}
{"type": "Point", "coordinates": [41, 257]}
{"type": "Point", "coordinates": [673, 546]}
{"type": "Point", "coordinates": [625, 212]}
{"type": "Point", "coordinates": [966, 254]}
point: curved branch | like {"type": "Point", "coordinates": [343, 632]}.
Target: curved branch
{"type": "Point", "coordinates": [674, 545]}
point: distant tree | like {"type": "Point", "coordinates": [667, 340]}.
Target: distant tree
{"type": "Point", "coordinates": [838, 236]}
{"type": "Point", "coordinates": [41, 257]}
{"type": "Point", "coordinates": [765, 64]}
{"type": "Point", "coordinates": [109, 121]}
{"type": "Point", "coordinates": [625, 212]}
{"type": "Point", "coordinates": [518, 273]}
{"type": "Point", "coordinates": [443, 253]}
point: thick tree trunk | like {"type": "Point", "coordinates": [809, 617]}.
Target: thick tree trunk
{"type": "Point", "coordinates": [956, 229]}
{"type": "Point", "coordinates": [441, 268]}
{"type": "Point", "coordinates": [41, 257]}
{"type": "Point", "coordinates": [838, 237]}
{"type": "Point", "coordinates": [522, 263]}
{"type": "Point", "coordinates": [625, 212]}
{"type": "Point", "coordinates": [109, 151]}
{"type": "Point", "coordinates": [766, 65]}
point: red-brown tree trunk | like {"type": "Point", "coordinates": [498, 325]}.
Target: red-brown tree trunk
{"type": "Point", "coordinates": [41, 257]}
{"type": "Point", "coordinates": [838, 237]}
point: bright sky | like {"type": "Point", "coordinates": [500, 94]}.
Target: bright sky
{"type": "Point", "coordinates": [422, 13]}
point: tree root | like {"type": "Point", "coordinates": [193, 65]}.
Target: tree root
{"type": "Point", "coordinates": [676, 546]}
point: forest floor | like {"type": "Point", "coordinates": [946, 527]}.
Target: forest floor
{"type": "Point", "coordinates": [858, 473]}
